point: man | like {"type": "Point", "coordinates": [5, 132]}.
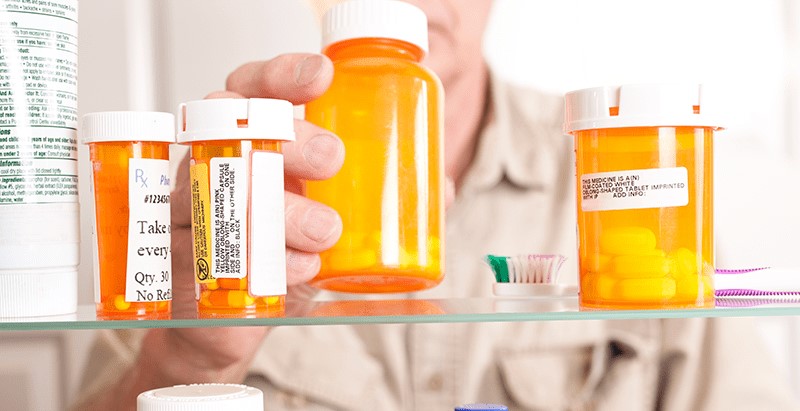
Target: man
{"type": "Point", "coordinates": [507, 158]}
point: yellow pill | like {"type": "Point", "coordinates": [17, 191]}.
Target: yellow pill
{"type": "Point", "coordinates": [434, 252]}
{"type": "Point", "coordinates": [659, 252]}
{"type": "Point", "coordinates": [627, 240]}
{"type": "Point", "coordinates": [232, 283]}
{"type": "Point", "coordinates": [355, 260]}
{"type": "Point", "coordinates": [605, 287]}
{"type": "Point", "coordinates": [596, 286]}
{"type": "Point", "coordinates": [273, 300]}
{"type": "Point", "coordinates": [641, 266]}
{"type": "Point", "coordinates": [434, 246]}
{"type": "Point", "coordinates": [120, 303]}
{"type": "Point", "coordinates": [408, 259]}
{"type": "Point", "coordinates": [240, 299]}
{"type": "Point", "coordinates": [689, 287]}
{"type": "Point", "coordinates": [596, 263]}
{"type": "Point", "coordinates": [683, 263]}
{"type": "Point", "coordinates": [226, 298]}
{"type": "Point", "coordinates": [212, 285]}
{"type": "Point", "coordinates": [645, 289]}
{"type": "Point", "coordinates": [375, 239]}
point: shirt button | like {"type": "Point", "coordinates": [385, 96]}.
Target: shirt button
{"type": "Point", "coordinates": [436, 382]}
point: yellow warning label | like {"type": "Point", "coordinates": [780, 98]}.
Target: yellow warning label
{"type": "Point", "coordinates": [201, 223]}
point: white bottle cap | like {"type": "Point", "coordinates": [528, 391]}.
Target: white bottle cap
{"type": "Point", "coordinates": [389, 19]}
{"type": "Point", "coordinates": [639, 105]}
{"type": "Point", "coordinates": [202, 397]}
{"type": "Point", "coordinates": [235, 119]}
{"type": "Point", "coordinates": [119, 126]}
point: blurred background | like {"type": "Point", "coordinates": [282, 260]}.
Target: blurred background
{"type": "Point", "coordinates": [152, 55]}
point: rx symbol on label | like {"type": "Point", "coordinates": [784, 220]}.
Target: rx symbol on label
{"type": "Point", "coordinates": [140, 178]}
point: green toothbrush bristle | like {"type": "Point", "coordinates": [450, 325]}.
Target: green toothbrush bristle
{"type": "Point", "coordinates": [499, 265]}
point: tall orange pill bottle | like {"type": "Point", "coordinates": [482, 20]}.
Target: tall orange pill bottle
{"type": "Point", "coordinates": [644, 188]}
{"type": "Point", "coordinates": [387, 108]}
{"type": "Point", "coordinates": [129, 152]}
{"type": "Point", "coordinates": [238, 203]}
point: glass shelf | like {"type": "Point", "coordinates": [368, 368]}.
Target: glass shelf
{"type": "Point", "coordinates": [416, 311]}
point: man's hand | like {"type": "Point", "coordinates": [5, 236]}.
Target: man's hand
{"type": "Point", "coordinates": [176, 356]}
{"type": "Point", "coordinates": [317, 154]}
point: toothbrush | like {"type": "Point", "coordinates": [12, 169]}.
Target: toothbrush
{"type": "Point", "coordinates": [528, 275]}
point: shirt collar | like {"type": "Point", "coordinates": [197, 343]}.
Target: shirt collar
{"type": "Point", "coordinates": [522, 143]}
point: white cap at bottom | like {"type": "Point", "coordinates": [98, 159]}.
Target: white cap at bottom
{"type": "Point", "coordinates": [202, 397]}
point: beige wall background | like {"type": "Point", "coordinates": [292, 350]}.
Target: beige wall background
{"type": "Point", "coordinates": [151, 55]}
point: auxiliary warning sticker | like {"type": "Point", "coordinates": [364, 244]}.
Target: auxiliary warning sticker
{"type": "Point", "coordinates": [149, 272]}
{"type": "Point", "coordinates": [229, 184]}
{"type": "Point", "coordinates": [634, 189]}
{"type": "Point", "coordinates": [201, 222]}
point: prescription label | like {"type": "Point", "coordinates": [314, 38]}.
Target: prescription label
{"type": "Point", "coordinates": [38, 101]}
{"type": "Point", "coordinates": [635, 189]}
{"type": "Point", "coordinates": [149, 272]}
{"type": "Point", "coordinates": [201, 222]}
{"type": "Point", "coordinates": [229, 185]}
{"type": "Point", "coordinates": [268, 266]}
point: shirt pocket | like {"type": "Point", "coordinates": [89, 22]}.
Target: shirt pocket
{"type": "Point", "coordinates": [322, 366]}
{"type": "Point", "coordinates": [552, 379]}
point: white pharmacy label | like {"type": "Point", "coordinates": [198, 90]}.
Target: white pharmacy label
{"type": "Point", "coordinates": [634, 189]}
{"type": "Point", "coordinates": [38, 101]}
{"type": "Point", "coordinates": [149, 273]}
{"type": "Point", "coordinates": [228, 189]}
{"type": "Point", "coordinates": [268, 266]}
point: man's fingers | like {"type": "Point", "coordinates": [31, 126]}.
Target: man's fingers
{"type": "Point", "coordinates": [449, 192]}
{"type": "Point", "coordinates": [301, 266]}
{"type": "Point", "coordinates": [180, 199]}
{"type": "Point", "coordinates": [317, 154]}
{"type": "Point", "coordinates": [223, 94]}
{"type": "Point", "coordinates": [298, 78]}
{"type": "Point", "coordinates": [310, 226]}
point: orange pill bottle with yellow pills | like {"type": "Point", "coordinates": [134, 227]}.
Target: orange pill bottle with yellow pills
{"type": "Point", "coordinates": [644, 195]}
{"type": "Point", "coordinates": [238, 225]}
{"type": "Point", "coordinates": [129, 154]}
{"type": "Point", "coordinates": [387, 109]}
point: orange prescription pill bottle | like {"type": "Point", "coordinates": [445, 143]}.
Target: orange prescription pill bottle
{"type": "Point", "coordinates": [238, 221]}
{"type": "Point", "coordinates": [129, 153]}
{"type": "Point", "coordinates": [387, 108]}
{"type": "Point", "coordinates": [644, 191]}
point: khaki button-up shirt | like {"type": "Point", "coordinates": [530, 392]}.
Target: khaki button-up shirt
{"type": "Point", "coordinates": [517, 198]}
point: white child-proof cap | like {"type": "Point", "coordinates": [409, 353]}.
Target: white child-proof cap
{"type": "Point", "coordinates": [640, 105]}
{"type": "Point", "coordinates": [388, 19]}
{"type": "Point", "coordinates": [202, 397]}
{"type": "Point", "coordinates": [235, 119]}
{"type": "Point", "coordinates": [119, 126]}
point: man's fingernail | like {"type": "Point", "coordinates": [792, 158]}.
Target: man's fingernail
{"type": "Point", "coordinates": [308, 70]}
{"type": "Point", "coordinates": [321, 150]}
{"type": "Point", "coordinates": [320, 223]}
